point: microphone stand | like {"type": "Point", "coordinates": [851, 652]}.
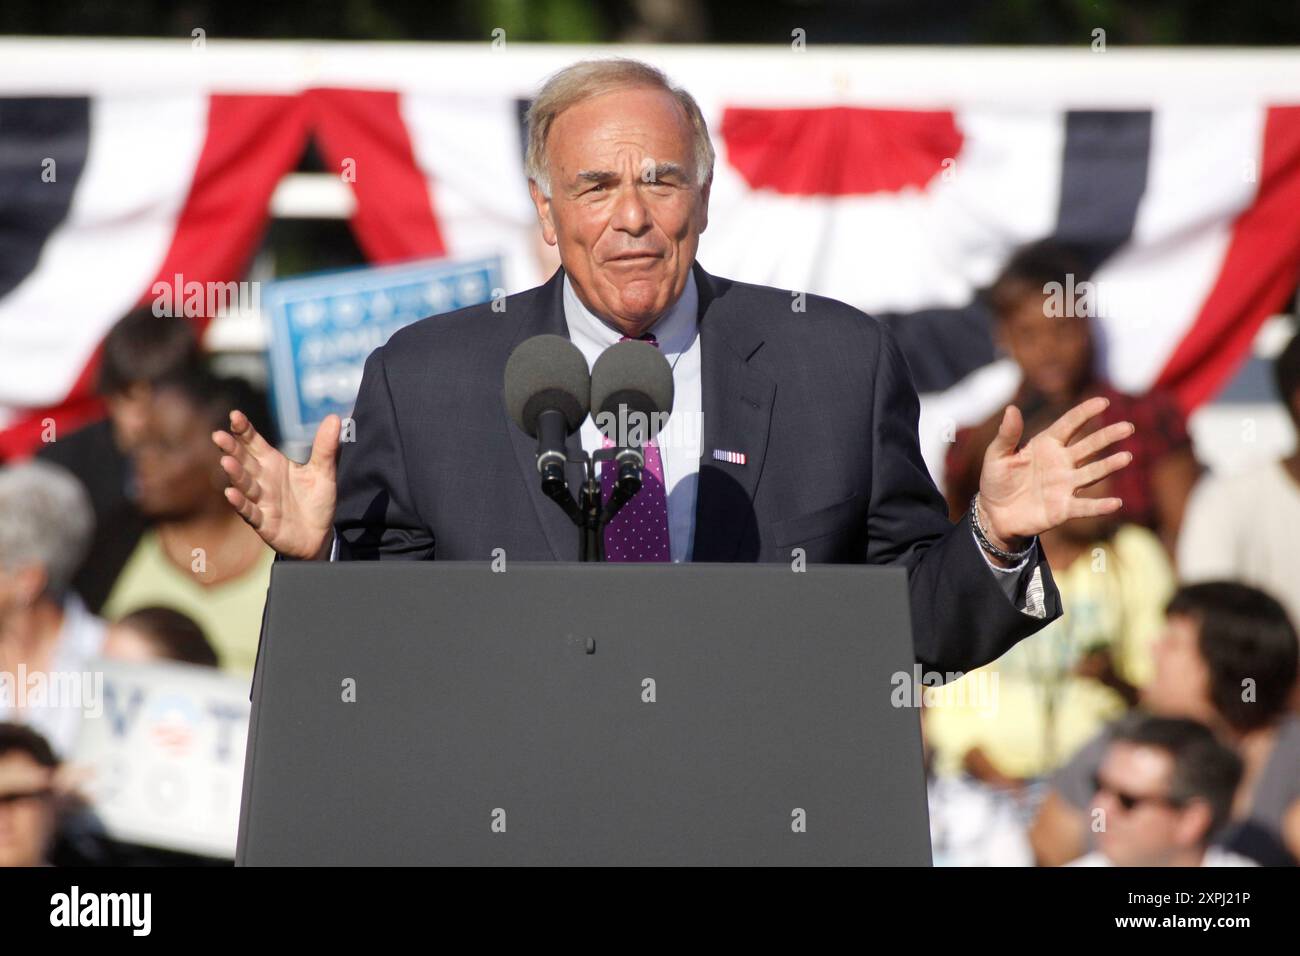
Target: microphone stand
{"type": "Point", "coordinates": [592, 545]}
{"type": "Point", "coordinates": [587, 513]}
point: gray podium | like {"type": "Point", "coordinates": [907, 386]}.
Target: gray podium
{"type": "Point", "coordinates": [411, 713]}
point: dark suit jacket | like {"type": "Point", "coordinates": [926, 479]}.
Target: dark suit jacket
{"type": "Point", "coordinates": [820, 401]}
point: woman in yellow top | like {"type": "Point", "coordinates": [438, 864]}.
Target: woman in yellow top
{"type": "Point", "coordinates": [199, 556]}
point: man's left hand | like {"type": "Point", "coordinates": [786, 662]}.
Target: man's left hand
{"type": "Point", "coordinates": [1026, 492]}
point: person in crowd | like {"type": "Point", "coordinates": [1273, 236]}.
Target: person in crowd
{"type": "Point", "coordinates": [1228, 659]}
{"type": "Point", "coordinates": [1015, 720]}
{"type": "Point", "coordinates": [141, 354]}
{"type": "Point", "coordinates": [1248, 526]}
{"type": "Point", "coordinates": [45, 528]}
{"type": "Point", "coordinates": [971, 822]}
{"type": "Point", "coordinates": [1057, 358]}
{"type": "Point", "coordinates": [159, 634]}
{"type": "Point", "coordinates": [974, 824]}
{"type": "Point", "coordinates": [1164, 788]}
{"type": "Point", "coordinates": [29, 799]}
{"type": "Point", "coordinates": [198, 557]}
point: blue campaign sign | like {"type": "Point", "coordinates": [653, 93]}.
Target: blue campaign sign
{"type": "Point", "coordinates": [322, 328]}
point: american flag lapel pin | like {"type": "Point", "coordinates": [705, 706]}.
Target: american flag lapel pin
{"type": "Point", "coordinates": [730, 457]}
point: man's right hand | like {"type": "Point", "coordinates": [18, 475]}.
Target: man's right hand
{"type": "Point", "coordinates": [290, 505]}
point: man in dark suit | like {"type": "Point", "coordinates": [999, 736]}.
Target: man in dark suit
{"type": "Point", "coordinates": [807, 446]}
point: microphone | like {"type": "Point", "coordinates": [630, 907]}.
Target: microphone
{"type": "Point", "coordinates": [631, 399]}
{"type": "Point", "coordinates": [548, 395]}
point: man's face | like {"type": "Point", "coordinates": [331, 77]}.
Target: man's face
{"type": "Point", "coordinates": [1180, 686]}
{"type": "Point", "coordinates": [1053, 352]}
{"type": "Point", "coordinates": [626, 208]}
{"type": "Point", "coordinates": [27, 810]}
{"type": "Point", "coordinates": [1150, 831]}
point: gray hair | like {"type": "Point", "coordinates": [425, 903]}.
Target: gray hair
{"type": "Point", "coordinates": [45, 519]}
{"type": "Point", "coordinates": [591, 78]}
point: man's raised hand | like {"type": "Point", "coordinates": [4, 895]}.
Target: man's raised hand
{"type": "Point", "coordinates": [290, 505]}
{"type": "Point", "coordinates": [1031, 490]}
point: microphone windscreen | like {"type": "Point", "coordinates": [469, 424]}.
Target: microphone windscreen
{"type": "Point", "coordinates": [636, 376]}
{"type": "Point", "coordinates": [547, 372]}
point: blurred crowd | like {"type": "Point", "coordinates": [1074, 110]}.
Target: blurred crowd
{"type": "Point", "coordinates": [1155, 723]}
{"type": "Point", "coordinates": [116, 542]}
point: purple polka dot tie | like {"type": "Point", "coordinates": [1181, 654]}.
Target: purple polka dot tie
{"type": "Point", "coordinates": [639, 532]}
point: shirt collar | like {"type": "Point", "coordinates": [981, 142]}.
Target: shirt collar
{"type": "Point", "coordinates": [675, 329]}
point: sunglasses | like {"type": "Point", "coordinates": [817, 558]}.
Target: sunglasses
{"type": "Point", "coordinates": [21, 795]}
{"type": "Point", "coordinates": [1130, 801]}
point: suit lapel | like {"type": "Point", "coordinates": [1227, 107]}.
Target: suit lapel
{"type": "Point", "coordinates": [546, 317]}
{"type": "Point", "coordinates": [736, 403]}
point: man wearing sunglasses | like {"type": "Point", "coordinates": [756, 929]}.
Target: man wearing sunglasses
{"type": "Point", "coordinates": [1163, 790]}
{"type": "Point", "coordinates": [28, 807]}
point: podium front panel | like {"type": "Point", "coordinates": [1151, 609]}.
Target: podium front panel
{"type": "Point", "coordinates": [549, 714]}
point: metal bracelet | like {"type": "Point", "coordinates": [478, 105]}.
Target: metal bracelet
{"type": "Point", "coordinates": [1012, 557]}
